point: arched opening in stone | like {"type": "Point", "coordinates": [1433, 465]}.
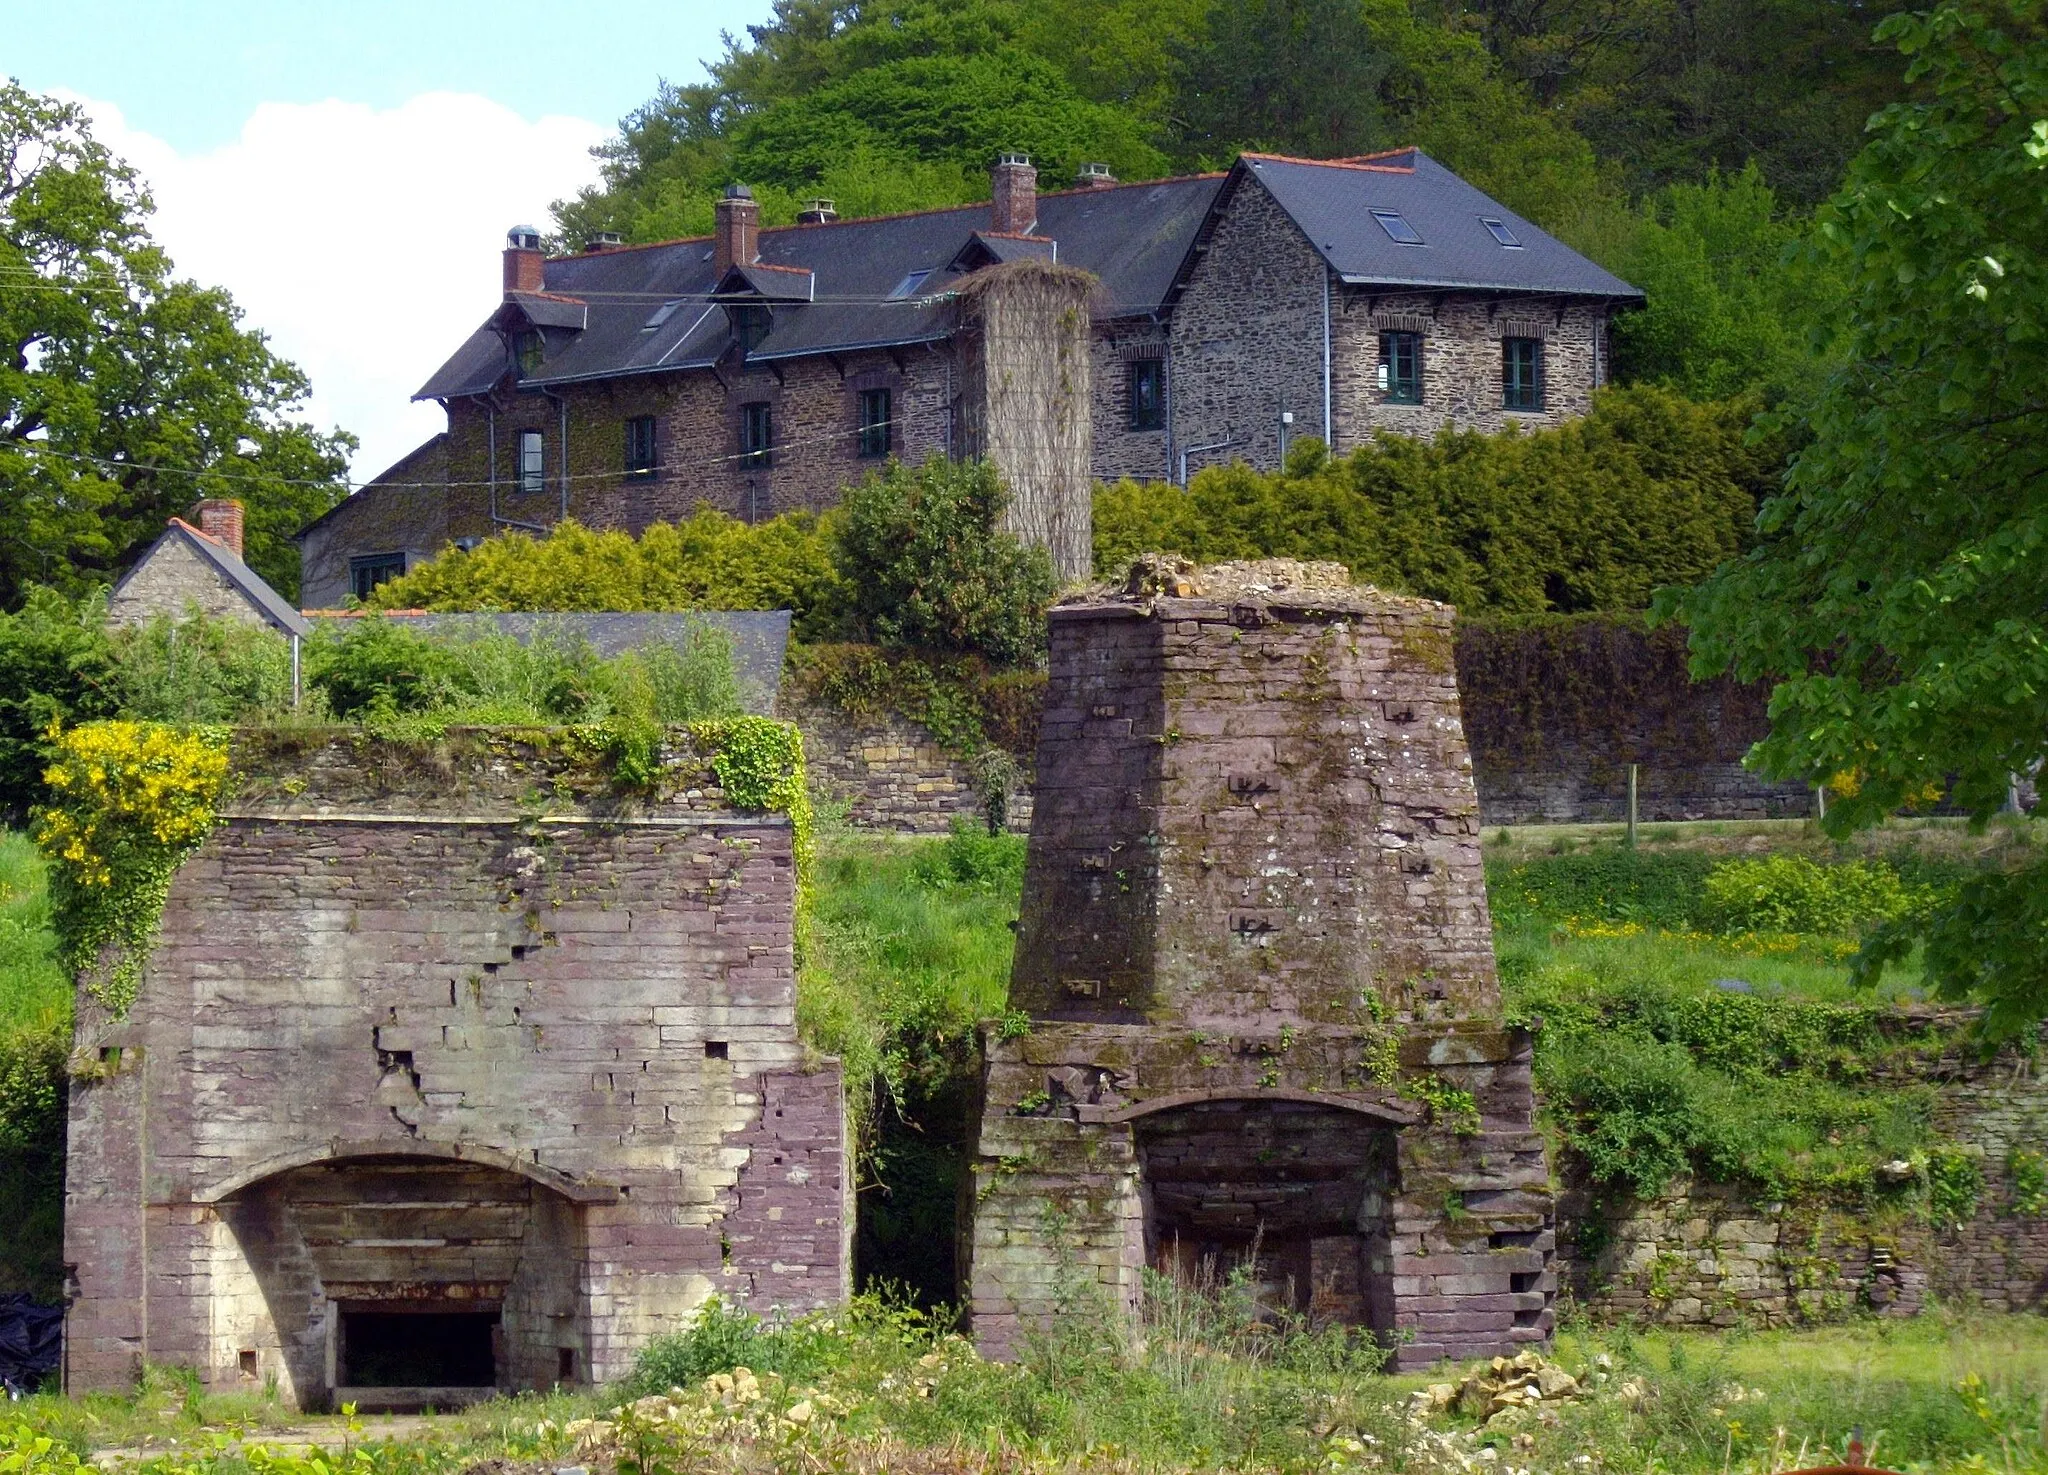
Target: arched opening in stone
{"type": "Point", "coordinates": [403, 1282]}
{"type": "Point", "coordinates": [1297, 1195]}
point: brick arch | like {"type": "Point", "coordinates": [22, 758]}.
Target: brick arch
{"type": "Point", "coordinates": [1388, 1108]}
{"type": "Point", "coordinates": [574, 1189]}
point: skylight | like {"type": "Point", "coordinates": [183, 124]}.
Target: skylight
{"type": "Point", "coordinates": [1394, 225]}
{"type": "Point", "coordinates": [1500, 231]}
{"type": "Point", "coordinates": [910, 284]}
{"type": "Point", "coordinates": [661, 315]}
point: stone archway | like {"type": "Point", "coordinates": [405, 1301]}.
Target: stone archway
{"type": "Point", "coordinates": [1300, 1191]}
{"type": "Point", "coordinates": [398, 1281]}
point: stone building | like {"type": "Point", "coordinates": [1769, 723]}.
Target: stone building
{"type": "Point", "coordinates": [397, 522]}
{"type": "Point", "coordinates": [1258, 964]}
{"type": "Point", "coordinates": [428, 1090]}
{"type": "Point", "coordinates": [761, 371]}
{"type": "Point", "coordinates": [200, 568]}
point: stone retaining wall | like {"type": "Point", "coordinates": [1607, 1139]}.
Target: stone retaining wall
{"type": "Point", "coordinates": [1706, 1255]}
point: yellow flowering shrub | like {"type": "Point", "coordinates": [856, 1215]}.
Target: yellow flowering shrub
{"type": "Point", "coordinates": [127, 802]}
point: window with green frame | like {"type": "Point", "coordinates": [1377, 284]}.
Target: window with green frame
{"type": "Point", "coordinates": [877, 423]}
{"type": "Point", "coordinates": [1521, 373]}
{"type": "Point", "coordinates": [1401, 368]}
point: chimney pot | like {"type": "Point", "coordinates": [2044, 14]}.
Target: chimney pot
{"type": "Point", "coordinates": [1094, 176]}
{"type": "Point", "coordinates": [604, 240]}
{"type": "Point", "coordinates": [220, 518]}
{"type": "Point", "coordinates": [522, 260]}
{"type": "Point", "coordinates": [737, 233]}
{"type": "Point", "coordinates": [817, 212]}
{"type": "Point", "coordinates": [1013, 186]}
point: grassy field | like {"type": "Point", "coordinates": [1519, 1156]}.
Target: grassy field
{"type": "Point", "coordinates": [1205, 1387]}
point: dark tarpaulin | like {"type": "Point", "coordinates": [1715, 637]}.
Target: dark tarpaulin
{"type": "Point", "coordinates": [30, 1336]}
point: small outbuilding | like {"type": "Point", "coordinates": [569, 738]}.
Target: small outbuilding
{"type": "Point", "coordinates": [201, 568]}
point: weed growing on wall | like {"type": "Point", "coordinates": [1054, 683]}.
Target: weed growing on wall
{"type": "Point", "coordinates": [128, 801]}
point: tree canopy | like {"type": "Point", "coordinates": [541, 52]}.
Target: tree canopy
{"type": "Point", "coordinates": [127, 394]}
{"type": "Point", "coordinates": [1899, 594]}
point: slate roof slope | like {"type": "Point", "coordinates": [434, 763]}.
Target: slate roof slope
{"type": "Point", "coordinates": [1133, 237]}
{"type": "Point", "coordinates": [268, 602]}
{"type": "Point", "coordinates": [760, 638]}
{"type": "Point", "coordinates": [1333, 201]}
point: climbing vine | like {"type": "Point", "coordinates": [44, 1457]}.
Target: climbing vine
{"type": "Point", "coordinates": [127, 803]}
{"type": "Point", "coordinates": [759, 762]}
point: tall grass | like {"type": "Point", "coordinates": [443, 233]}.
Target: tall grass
{"type": "Point", "coordinates": [35, 1038]}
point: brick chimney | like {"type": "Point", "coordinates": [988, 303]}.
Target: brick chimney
{"type": "Point", "coordinates": [736, 239]}
{"type": "Point", "coordinates": [522, 260]}
{"type": "Point", "coordinates": [1094, 176]}
{"type": "Point", "coordinates": [1014, 187]}
{"type": "Point", "coordinates": [220, 518]}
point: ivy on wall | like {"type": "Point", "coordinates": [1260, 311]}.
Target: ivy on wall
{"type": "Point", "coordinates": [127, 802]}
{"type": "Point", "coordinates": [1606, 683]}
{"type": "Point", "coordinates": [967, 705]}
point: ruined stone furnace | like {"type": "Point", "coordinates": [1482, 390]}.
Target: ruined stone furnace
{"type": "Point", "coordinates": [448, 1076]}
{"type": "Point", "coordinates": [1257, 958]}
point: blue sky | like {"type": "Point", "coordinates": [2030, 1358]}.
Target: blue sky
{"type": "Point", "coordinates": [191, 71]}
{"type": "Point", "coordinates": [324, 161]}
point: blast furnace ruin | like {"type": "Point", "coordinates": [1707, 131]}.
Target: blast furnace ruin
{"type": "Point", "coordinates": [451, 1073]}
{"type": "Point", "coordinates": [1256, 956]}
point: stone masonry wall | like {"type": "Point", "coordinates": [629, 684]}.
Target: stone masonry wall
{"type": "Point", "coordinates": [404, 511]}
{"type": "Point", "coordinates": [1707, 1255]}
{"type": "Point", "coordinates": [1552, 724]}
{"type": "Point", "coordinates": [1119, 450]}
{"type": "Point", "coordinates": [1461, 361]}
{"type": "Point", "coordinates": [697, 414]}
{"type": "Point", "coordinates": [173, 579]}
{"type": "Point", "coordinates": [1248, 338]}
{"type": "Point", "coordinates": [889, 772]}
{"type": "Point", "coordinates": [1254, 912]}
{"type": "Point", "coordinates": [563, 1035]}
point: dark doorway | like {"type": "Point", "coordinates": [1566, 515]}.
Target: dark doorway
{"type": "Point", "coordinates": [418, 1349]}
{"type": "Point", "coordinates": [1296, 1195]}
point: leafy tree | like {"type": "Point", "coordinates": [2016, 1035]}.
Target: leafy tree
{"type": "Point", "coordinates": [56, 665]}
{"type": "Point", "coordinates": [1596, 514]}
{"type": "Point", "coordinates": [1675, 92]}
{"type": "Point", "coordinates": [1734, 305]}
{"type": "Point", "coordinates": [925, 563]}
{"type": "Point", "coordinates": [127, 395]}
{"type": "Point", "coordinates": [1899, 596]}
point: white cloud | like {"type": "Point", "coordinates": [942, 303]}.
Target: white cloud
{"type": "Point", "coordinates": [364, 241]}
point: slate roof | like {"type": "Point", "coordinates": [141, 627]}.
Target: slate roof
{"type": "Point", "coordinates": [760, 638]}
{"type": "Point", "coordinates": [268, 603]}
{"type": "Point", "coordinates": [1134, 237]}
{"type": "Point", "coordinates": [652, 308]}
{"type": "Point", "coordinates": [1333, 201]}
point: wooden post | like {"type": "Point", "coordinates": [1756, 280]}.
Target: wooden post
{"type": "Point", "coordinates": [1632, 806]}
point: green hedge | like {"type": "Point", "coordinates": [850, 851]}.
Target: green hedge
{"type": "Point", "coordinates": [1649, 489]}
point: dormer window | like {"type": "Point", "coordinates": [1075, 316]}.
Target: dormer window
{"type": "Point", "coordinates": [526, 347]}
{"type": "Point", "coordinates": [1397, 227]}
{"type": "Point", "coordinates": [750, 325]}
{"type": "Point", "coordinates": [1500, 231]}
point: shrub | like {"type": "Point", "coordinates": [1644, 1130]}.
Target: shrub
{"type": "Point", "coordinates": [377, 670]}
{"type": "Point", "coordinates": [1649, 489]}
{"type": "Point", "coordinates": [706, 561]}
{"type": "Point", "coordinates": [200, 669]}
{"type": "Point", "coordinates": [971, 859]}
{"type": "Point", "coordinates": [1789, 893]}
{"type": "Point", "coordinates": [926, 565]}
{"type": "Point", "coordinates": [56, 666]}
